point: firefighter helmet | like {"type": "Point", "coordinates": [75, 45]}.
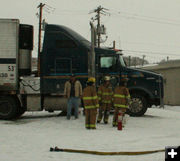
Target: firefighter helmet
{"type": "Point", "coordinates": [91, 79]}
{"type": "Point", "coordinates": [107, 78]}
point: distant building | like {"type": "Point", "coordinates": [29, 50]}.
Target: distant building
{"type": "Point", "coordinates": [171, 74]}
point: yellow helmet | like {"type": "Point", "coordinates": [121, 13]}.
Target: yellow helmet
{"type": "Point", "coordinates": [91, 79]}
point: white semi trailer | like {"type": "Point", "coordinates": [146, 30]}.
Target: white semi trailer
{"type": "Point", "coordinates": [19, 91]}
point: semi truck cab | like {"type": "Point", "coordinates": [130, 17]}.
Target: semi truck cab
{"type": "Point", "coordinates": [66, 52]}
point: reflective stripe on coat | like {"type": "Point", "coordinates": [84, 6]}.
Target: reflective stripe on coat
{"type": "Point", "coordinates": [90, 98]}
{"type": "Point", "coordinates": [121, 97]}
{"type": "Point", "coordinates": [105, 94]}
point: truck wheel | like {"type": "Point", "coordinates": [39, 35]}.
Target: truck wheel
{"type": "Point", "coordinates": [8, 108]}
{"type": "Point", "coordinates": [138, 105]}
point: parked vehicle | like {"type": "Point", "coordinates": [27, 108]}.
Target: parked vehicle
{"type": "Point", "coordinates": [64, 52]}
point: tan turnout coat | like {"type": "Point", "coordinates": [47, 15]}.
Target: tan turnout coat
{"type": "Point", "coordinates": [121, 97]}
{"type": "Point", "coordinates": [90, 98]}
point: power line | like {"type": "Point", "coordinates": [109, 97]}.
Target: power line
{"type": "Point", "coordinates": [117, 14]}
{"type": "Point", "coordinates": [156, 19]}
{"type": "Point", "coordinates": [48, 6]}
{"type": "Point", "coordinates": [148, 20]}
{"type": "Point", "coordinates": [57, 14]}
{"type": "Point", "coordinates": [153, 44]}
{"type": "Point", "coordinates": [136, 54]}
{"type": "Point", "coordinates": [149, 58]}
{"type": "Point", "coordinates": [68, 10]}
{"type": "Point", "coordinates": [151, 52]}
{"type": "Point", "coordinates": [71, 12]}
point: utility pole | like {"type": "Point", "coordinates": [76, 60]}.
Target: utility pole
{"type": "Point", "coordinates": [99, 11]}
{"type": "Point", "coordinates": [143, 59]}
{"type": "Point", "coordinates": [39, 35]}
{"type": "Point", "coordinates": [98, 25]}
{"type": "Point", "coordinates": [129, 61]}
{"type": "Point", "coordinates": [114, 44]}
{"type": "Point", "coordinates": [91, 54]}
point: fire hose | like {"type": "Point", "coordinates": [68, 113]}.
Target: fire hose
{"type": "Point", "coordinates": [56, 149]}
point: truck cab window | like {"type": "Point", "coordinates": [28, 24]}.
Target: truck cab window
{"type": "Point", "coordinates": [108, 64]}
{"type": "Point", "coordinates": [63, 66]}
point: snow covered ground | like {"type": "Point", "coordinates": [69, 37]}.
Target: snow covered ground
{"type": "Point", "coordinates": [29, 138]}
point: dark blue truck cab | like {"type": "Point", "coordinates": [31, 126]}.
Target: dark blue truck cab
{"type": "Point", "coordinates": [66, 52]}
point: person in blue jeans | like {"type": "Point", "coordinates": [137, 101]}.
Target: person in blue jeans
{"type": "Point", "coordinates": [73, 92]}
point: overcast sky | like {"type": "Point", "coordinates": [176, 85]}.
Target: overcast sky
{"type": "Point", "coordinates": [139, 27]}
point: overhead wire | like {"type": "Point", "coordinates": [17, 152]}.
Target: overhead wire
{"type": "Point", "coordinates": [84, 12]}
{"type": "Point", "coordinates": [159, 18]}
{"type": "Point", "coordinates": [149, 58]}
{"type": "Point", "coordinates": [151, 52]}
{"type": "Point", "coordinates": [148, 20]}
{"type": "Point", "coordinates": [116, 13]}
{"type": "Point", "coordinates": [150, 43]}
{"type": "Point", "coordinates": [139, 55]}
{"type": "Point", "coordinates": [145, 18]}
{"type": "Point", "coordinates": [128, 16]}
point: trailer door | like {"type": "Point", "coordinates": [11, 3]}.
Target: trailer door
{"type": "Point", "coordinates": [9, 54]}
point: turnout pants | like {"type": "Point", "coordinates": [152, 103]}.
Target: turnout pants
{"type": "Point", "coordinates": [104, 112]}
{"type": "Point", "coordinates": [115, 117]}
{"type": "Point", "coordinates": [90, 115]}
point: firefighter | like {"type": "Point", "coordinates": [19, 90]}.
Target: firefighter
{"type": "Point", "coordinates": [90, 100]}
{"type": "Point", "coordinates": [105, 100]}
{"type": "Point", "coordinates": [121, 99]}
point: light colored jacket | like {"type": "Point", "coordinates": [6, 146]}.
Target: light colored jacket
{"type": "Point", "coordinates": [77, 88]}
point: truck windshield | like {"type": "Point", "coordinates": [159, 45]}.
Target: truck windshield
{"type": "Point", "coordinates": [122, 63]}
{"type": "Point", "coordinates": [108, 63]}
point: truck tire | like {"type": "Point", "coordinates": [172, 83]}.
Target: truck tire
{"type": "Point", "coordinates": [138, 105]}
{"type": "Point", "coordinates": [8, 108]}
